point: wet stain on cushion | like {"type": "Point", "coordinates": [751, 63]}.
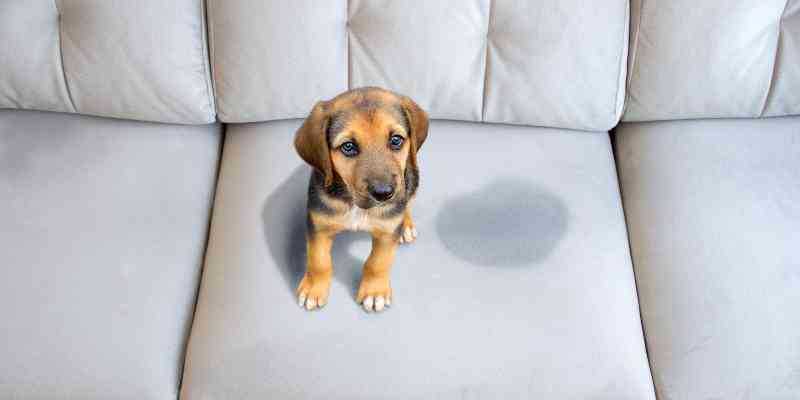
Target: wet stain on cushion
{"type": "Point", "coordinates": [507, 222]}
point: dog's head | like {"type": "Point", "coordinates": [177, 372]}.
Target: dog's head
{"type": "Point", "coordinates": [366, 139]}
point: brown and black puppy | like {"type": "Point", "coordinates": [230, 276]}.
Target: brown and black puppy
{"type": "Point", "coordinates": [363, 146]}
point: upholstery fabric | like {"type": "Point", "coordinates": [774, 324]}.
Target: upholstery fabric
{"type": "Point", "coordinates": [103, 231]}
{"type": "Point", "coordinates": [143, 60]}
{"type": "Point", "coordinates": [270, 56]}
{"type": "Point", "coordinates": [519, 286]}
{"type": "Point", "coordinates": [557, 63]}
{"type": "Point", "coordinates": [31, 75]}
{"type": "Point", "coordinates": [713, 59]}
{"type": "Point", "coordinates": [713, 217]}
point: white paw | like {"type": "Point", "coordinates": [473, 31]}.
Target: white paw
{"type": "Point", "coordinates": [409, 234]}
{"type": "Point", "coordinates": [376, 304]}
{"type": "Point", "coordinates": [307, 303]}
{"type": "Point", "coordinates": [312, 295]}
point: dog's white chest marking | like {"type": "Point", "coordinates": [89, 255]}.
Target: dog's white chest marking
{"type": "Point", "coordinates": [357, 219]}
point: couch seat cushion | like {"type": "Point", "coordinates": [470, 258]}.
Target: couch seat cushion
{"type": "Point", "coordinates": [519, 286]}
{"type": "Point", "coordinates": [713, 209]}
{"type": "Point", "coordinates": [102, 231]}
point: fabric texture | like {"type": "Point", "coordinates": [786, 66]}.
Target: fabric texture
{"type": "Point", "coordinates": [31, 74]}
{"type": "Point", "coordinates": [519, 286]}
{"type": "Point", "coordinates": [276, 58]}
{"type": "Point", "coordinates": [713, 59]}
{"type": "Point", "coordinates": [103, 232]}
{"type": "Point", "coordinates": [99, 58]}
{"type": "Point", "coordinates": [548, 63]}
{"type": "Point", "coordinates": [557, 63]}
{"type": "Point", "coordinates": [713, 217]}
{"type": "Point", "coordinates": [434, 52]}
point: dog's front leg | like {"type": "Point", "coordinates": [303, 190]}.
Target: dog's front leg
{"type": "Point", "coordinates": [313, 290]}
{"type": "Point", "coordinates": [409, 231]}
{"type": "Point", "coordinates": [374, 293]}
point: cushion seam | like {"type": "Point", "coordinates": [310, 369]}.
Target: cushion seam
{"type": "Point", "coordinates": [205, 39]}
{"type": "Point", "coordinates": [771, 80]}
{"type": "Point", "coordinates": [633, 56]}
{"type": "Point", "coordinates": [486, 63]}
{"type": "Point", "coordinates": [184, 357]}
{"type": "Point", "coordinates": [623, 49]}
{"type": "Point", "coordinates": [636, 277]}
{"type": "Point", "coordinates": [61, 59]}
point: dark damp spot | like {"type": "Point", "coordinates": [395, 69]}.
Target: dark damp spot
{"type": "Point", "coordinates": [508, 222]}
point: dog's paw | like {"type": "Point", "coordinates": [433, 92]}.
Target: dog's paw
{"type": "Point", "coordinates": [409, 233]}
{"type": "Point", "coordinates": [374, 294]}
{"type": "Point", "coordinates": [313, 293]}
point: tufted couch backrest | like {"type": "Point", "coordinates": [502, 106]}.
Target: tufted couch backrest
{"type": "Point", "coordinates": [143, 59]}
{"type": "Point", "coordinates": [554, 63]}
{"type": "Point", "coordinates": [713, 59]}
{"type": "Point", "coordinates": [558, 63]}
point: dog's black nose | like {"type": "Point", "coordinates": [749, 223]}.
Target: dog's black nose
{"type": "Point", "coordinates": [380, 191]}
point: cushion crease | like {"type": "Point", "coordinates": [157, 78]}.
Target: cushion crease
{"type": "Point", "coordinates": [771, 81]}
{"type": "Point", "coordinates": [61, 59]}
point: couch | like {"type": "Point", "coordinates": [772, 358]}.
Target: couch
{"type": "Point", "coordinates": [609, 204]}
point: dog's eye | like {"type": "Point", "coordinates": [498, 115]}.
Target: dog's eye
{"type": "Point", "coordinates": [349, 149]}
{"type": "Point", "coordinates": [396, 142]}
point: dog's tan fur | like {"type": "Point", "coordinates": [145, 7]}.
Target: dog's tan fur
{"type": "Point", "coordinates": [339, 194]}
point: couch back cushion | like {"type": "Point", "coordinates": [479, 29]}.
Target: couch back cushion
{"type": "Point", "coordinates": [558, 63]}
{"type": "Point", "coordinates": [713, 59]}
{"type": "Point", "coordinates": [143, 59]}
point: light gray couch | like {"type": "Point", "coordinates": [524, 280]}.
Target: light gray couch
{"type": "Point", "coordinates": [149, 247]}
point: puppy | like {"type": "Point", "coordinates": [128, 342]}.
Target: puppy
{"type": "Point", "coordinates": [363, 146]}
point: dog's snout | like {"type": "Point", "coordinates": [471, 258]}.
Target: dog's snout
{"type": "Point", "coordinates": [380, 191]}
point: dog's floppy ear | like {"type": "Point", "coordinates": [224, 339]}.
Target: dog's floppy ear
{"type": "Point", "coordinates": [311, 141]}
{"type": "Point", "coordinates": [417, 123]}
